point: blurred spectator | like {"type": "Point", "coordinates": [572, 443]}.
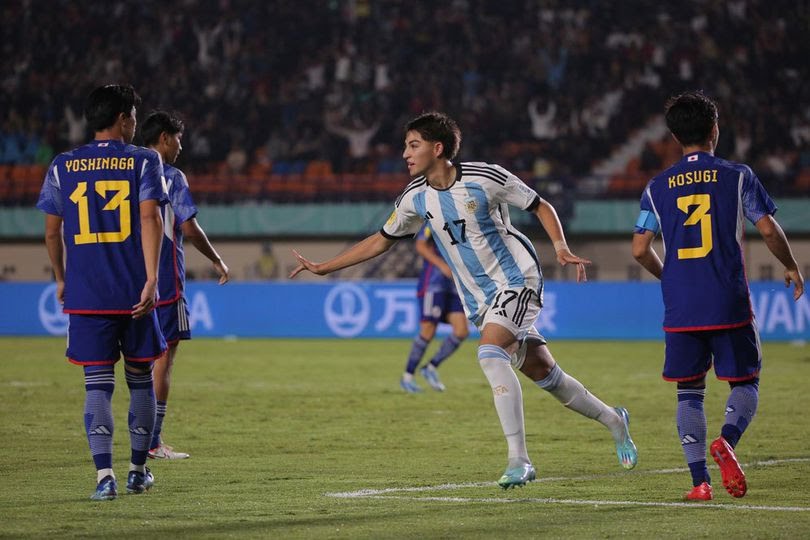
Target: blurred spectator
{"type": "Point", "coordinates": [579, 76]}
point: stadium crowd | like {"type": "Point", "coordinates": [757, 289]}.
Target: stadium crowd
{"type": "Point", "coordinates": [321, 89]}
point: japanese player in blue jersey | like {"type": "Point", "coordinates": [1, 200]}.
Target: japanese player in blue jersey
{"type": "Point", "coordinates": [162, 132]}
{"type": "Point", "coordinates": [439, 302]}
{"type": "Point", "coordinates": [699, 206]}
{"type": "Point", "coordinates": [497, 274]}
{"type": "Point", "coordinates": [107, 195]}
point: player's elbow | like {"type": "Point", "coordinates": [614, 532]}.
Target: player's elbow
{"type": "Point", "coordinates": [768, 228]}
{"type": "Point", "coordinates": [152, 221]}
{"type": "Point", "coordinates": [640, 251]}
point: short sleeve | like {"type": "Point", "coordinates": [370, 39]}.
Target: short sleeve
{"type": "Point", "coordinates": [647, 220]}
{"type": "Point", "coordinates": [514, 191]}
{"type": "Point", "coordinates": [180, 197]}
{"type": "Point", "coordinates": [153, 184]}
{"type": "Point", "coordinates": [755, 200]}
{"type": "Point", "coordinates": [404, 221]}
{"type": "Point", "coordinates": [50, 196]}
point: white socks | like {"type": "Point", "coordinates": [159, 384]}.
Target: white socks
{"type": "Point", "coordinates": [576, 397]}
{"type": "Point", "coordinates": [101, 474]}
{"type": "Point", "coordinates": [495, 363]}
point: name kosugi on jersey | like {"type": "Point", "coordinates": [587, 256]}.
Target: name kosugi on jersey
{"type": "Point", "coordinates": [100, 164]}
{"type": "Point", "coordinates": [692, 177]}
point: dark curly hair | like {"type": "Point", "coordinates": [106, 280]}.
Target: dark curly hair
{"type": "Point", "coordinates": [690, 117]}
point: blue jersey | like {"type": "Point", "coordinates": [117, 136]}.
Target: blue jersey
{"type": "Point", "coordinates": [172, 274]}
{"type": "Point", "coordinates": [699, 205]}
{"type": "Point", "coordinates": [431, 279]}
{"type": "Point", "coordinates": [96, 189]}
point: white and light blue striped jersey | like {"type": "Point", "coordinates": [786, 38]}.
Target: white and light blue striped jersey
{"type": "Point", "coordinates": [472, 228]}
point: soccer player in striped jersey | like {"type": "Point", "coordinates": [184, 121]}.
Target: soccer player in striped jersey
{"type": "Point", "coordinates": [699, 205]}
{"type": "Point", "coordinates": [497, 273]}
{"type": "Point", "coordinates": [163, 132]}
{"type": "Point", "coordinates": [102, 200]}
{"type": "Point", "coordinates": [439, 302]}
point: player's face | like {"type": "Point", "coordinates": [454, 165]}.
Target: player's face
{"type": "Point", "coordinates": [129, 125]}
{"type": "Point", "coordinates": [173, 146]}
{"type": "Point", "coordinates": [420, 155]}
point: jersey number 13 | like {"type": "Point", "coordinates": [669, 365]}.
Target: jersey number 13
{"type": "Point", "coordinates": [117, 202]}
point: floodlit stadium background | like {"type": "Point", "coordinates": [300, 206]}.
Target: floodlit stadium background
{"type": "Point", "coordinates": [294, 114]}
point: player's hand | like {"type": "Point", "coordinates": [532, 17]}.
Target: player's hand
{"type": "Point", "coordinates": [564, 256]}
{"type": "Point", "coordinates": [305, 264]}
{"type": "Point", "coordinates": [60, 291]}
{"type": "Point", "coordinates": [148, 300]}
{"type": "Point", "coordinates": [222, 269]}
{"type": "Point", "coordinates": [795, 277]}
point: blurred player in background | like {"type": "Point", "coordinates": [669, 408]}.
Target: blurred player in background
{"type": "Point", "coordinates": [163, 132]}
{"type": "Point", "coordinates": [698, 206]}
{"type": "Point", "coordinates": [497, 274]}
{"type": "Point", "coordinates": [107, 195]}
{"type": "Point", "coordinates": [440, 303]}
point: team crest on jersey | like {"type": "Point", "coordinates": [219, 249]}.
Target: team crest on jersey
{"type": "Point", "coordinates": [471, 205]}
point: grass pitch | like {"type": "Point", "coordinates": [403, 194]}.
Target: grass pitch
{"type": "Point", "coordinates": [314, 439]}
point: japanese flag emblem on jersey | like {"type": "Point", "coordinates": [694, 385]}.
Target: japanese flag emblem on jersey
{"type": "Point", "coordinates": [692, 158]}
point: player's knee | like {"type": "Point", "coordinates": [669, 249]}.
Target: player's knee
{"type": "Point", "coordinates": [427, 332]}
{"type": "Point", "coordinates": [750, 382]}
{"type": "Point", "coordinates": [698, 384]}
{"type": "Point", "coordinates": [538, 361]}
{"type": "Point", "coordinates": [139, 368]}
{"type": "Point", "coordinates": [489, 353]}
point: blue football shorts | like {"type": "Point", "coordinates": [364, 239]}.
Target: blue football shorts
{"type": "Point", "coordinates": [174, 321]}
{"type": "Point", "coordinates": [735, 352]}
{"type": "Point", "coordinates": [96, 340]}
{"type": "Point", "coordinates": [436, 305]}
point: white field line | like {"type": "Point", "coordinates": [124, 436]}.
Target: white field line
{"type": "Point", "coordinates": [582, 502]}
{"type": "Point", "coordinates": [388, 493]}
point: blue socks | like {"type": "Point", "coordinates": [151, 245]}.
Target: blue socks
{"type": "Point", "coordinates": [417, 352]}
{"type": "Point", "coordinates": [141, 414]}
{"type": "Point", "coordinates": [740, 410]}
{"type": "Point", "coordinates": [160, 414]}
{"type": "Point", "coordinates": [420, 344]}
{"type": "Point", "coordinates": [692, 431]}
{"type": "Point", "coordinates": [99, 384]}
{"type": "Point", "coordinates": [448, 347]}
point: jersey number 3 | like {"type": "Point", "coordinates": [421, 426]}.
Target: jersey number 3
{"type": "Point", "coordinates": [79, 196]}
{"type": "Point", "coordinates": [699, 215]}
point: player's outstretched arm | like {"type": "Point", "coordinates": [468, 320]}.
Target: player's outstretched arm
{"type": "Point", "coordinates": [645, 254]}
{"type": "Point", "coordinates": [551, 223]}
{"type": "Point", "coordinates": [364, 250]}
{"type": "Point", "coordinates": [151, 239]}
{"type": "Point", "coordinates": [197, 236]}
{"type": "Point", "coordinates": [53, 242]}
{"type": "Point", "coordinates": [777, 243]}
